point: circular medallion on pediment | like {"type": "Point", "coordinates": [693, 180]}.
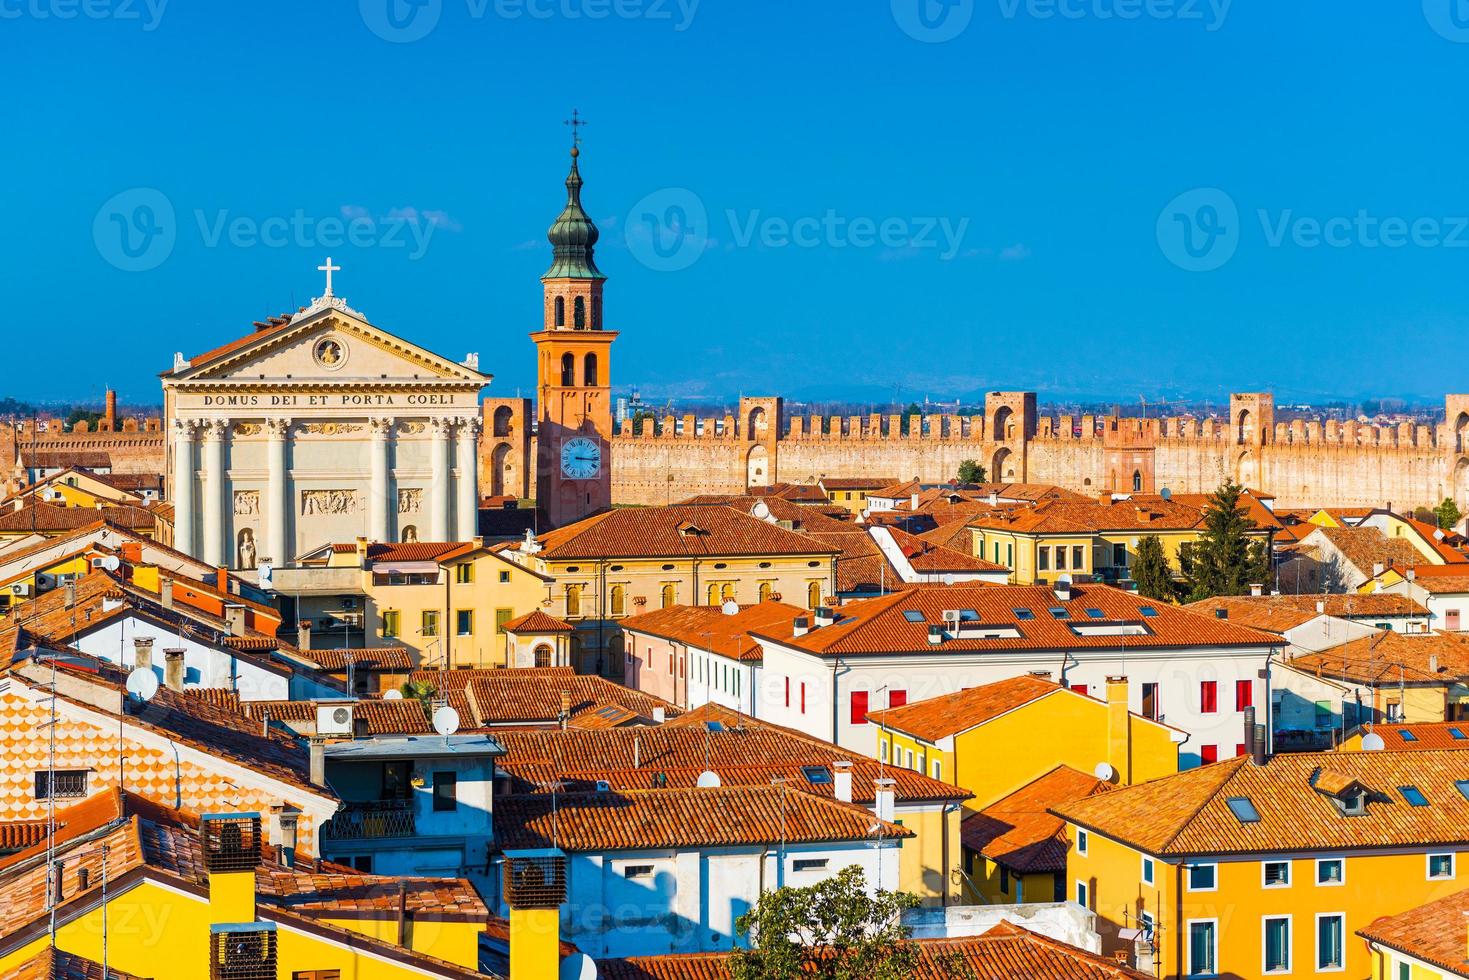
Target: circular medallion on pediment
{"type": "Point", "coordinates": [330, 352]}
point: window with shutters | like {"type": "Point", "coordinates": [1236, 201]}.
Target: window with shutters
{"type": "Point", "coordinates": [859, 707]}
{"type": "Point", "coordinates": [1208, 697]}
{"type": "Point", "coordinates": [503, 616]}
{"type": "Point", "coordinates": [429, 622]}
{"type": "Point", "coordinates": [391, 622]}
{"type": "Point", "coordinates": [619, 600]}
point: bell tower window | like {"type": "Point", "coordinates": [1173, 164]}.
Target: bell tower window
{"type": "Point", "coordinates": [589, 372]}
{"type": "Point", "coordinates": [568, 371]}
{"type": "Point", "coordinates": [560, 311]}
{"type": "Point", "coordinates": [579, 314]}
{"type": "Point", "coordinates": [596, 312]}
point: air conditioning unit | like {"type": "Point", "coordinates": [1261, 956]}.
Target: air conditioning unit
{"type": "Point", "coordinates": [334, 719]}
{"type": "Point", "coordinates": [21, 588]}
{"type": "Point", "coordinates": [349, 602]}
{"type": "Point", "coordinates": [952, 616]}
{"type": "Point", "coordinates": [354, 620]}
{"type": "Point", "coordinates": [44, 581]}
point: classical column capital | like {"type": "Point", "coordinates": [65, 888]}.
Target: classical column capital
{"type": "Point", "coordinates": [215, 429]}
{"type": "Point", "coordinates": [185, 428]}
{"type": "Point", "coordinates": [277, 428]}
{"type": "Point", "coordinates": [381, 426]}
{"type": "Point", "coordinates": [441, 427]}
{"type": "Point", "coordinates": [470, 425]}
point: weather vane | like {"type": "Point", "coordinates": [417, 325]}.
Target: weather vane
{"type": "Point", "coordinates": [576, 122]}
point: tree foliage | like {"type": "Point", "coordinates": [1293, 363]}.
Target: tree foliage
{"type": "Point", "coordinates": [1151, 571]}
{"type": "Point", "coordinates": [833, 930]}
{"type": "Point", "coordinates": [1226, 559]}
{"type": "Point", "coordinates": [1448, 514]}
{"type": "Point", "coordinates": [970, 471]}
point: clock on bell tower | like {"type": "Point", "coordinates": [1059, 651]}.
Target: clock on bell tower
{"type": "Point", "coordinates": [573, 370]}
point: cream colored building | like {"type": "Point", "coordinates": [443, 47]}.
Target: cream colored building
{"type": "Point", "coordinates": [319, 427]}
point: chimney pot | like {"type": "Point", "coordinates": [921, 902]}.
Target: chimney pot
{"type": "Point", "coordinates": [143, 652]}
{"type": "Point", "coordinates": [303, 634]}
{"type": "Point", "coordinates": [173, 669]}
{"type": "Point", "coordinates": [884, 798]}
{"type": "Point", "coordinates": [1256, 589]}
{"type": "Point", "coordinates": [935, 634]}
{"type": "Point", "coordinates": [801, 626]}
{"type": "Point", "coordinates": [841, 772]}
{"type": "Point", "coordinates": [317, 750]}
{"type": "Point", "coordinates": [165, 592]}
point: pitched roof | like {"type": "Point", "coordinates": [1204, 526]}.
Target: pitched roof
{"type": "Point", "coordinates": [56, 964]}
{"type": "Point", "coordinates": [1020, 832]}
{"type": "Point", "coordinates": [901, 622]}
{"type": "Point", "coordinates": [401, 716]}
{"type": "Point", "coordinates": [1423, 736]}
{"type": "Point", "coordinates": [948, 714]}
{"type": "Point", "coordinates": [1365, 547]}
{"type": "Point", "coordinates": [336, 661]}
{"type": "Point", "coordinates": [489, 697]}
{"type": "Point", "coordinates": [1278, 613]}
{"type": "Point", "coordinates": [1432, 933]}
{"type": "Point", "coordinates": [1412, 658]}
{"type": "Point", "coordinates": [855, 482]}
{"type": "Point", "coordinates": [929, 558]}
{"type": "Point", "coordinates": [798, 516]}
{"type": "Point", "coordinates": [41, 516]}
{"type": "Point", "coordinates": [709, 628]}
{"type": "Point", "coordinates": [1006, 952]}
{"type": "Point", "coordinates": [676, 531]}
{"type": "Point", "coordinates": [416, 550]}
{"type": "Point", "coordinates": [1189, 813]}
{"type": "Point", "coordinates": [1095, 517]}
{"type": "Point", "coordinates": [538, 622]}
{"type": "Point", "coordinates": [726, 816]}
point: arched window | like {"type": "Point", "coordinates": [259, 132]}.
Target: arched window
{"type": "Point", "coordinates": [579, 314]}
{"type": "Point", "coordinates": [568, 371]}
{"type": "Point", "coordinates": [1137, 481]}
{"type": "Point", "coordinates": [670, 595]}
{"type": "Point", "coordinates": [543, 655]}
{"type": "Point", "coordinates": [713, 594]}
{"type": "Point", "coordinates": [501, 421]}
{"type": "Point", "coordinates": [573, 600]}
{"type": "Point", "coordinates": [726, 592]}
{"type": "Point", "coordinates": [596, 313]}
{"type": "Point", "coordinates": [765, 591]}
{"type": "Point", "coordinates": [619, 600]}
{"type": "Point", "coordinates": [589, 371]}
{"type": "Point", "coordinates": [813, 595]}
{"type": "Point", "coordinates": [560, 311]}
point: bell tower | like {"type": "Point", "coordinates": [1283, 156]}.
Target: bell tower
{"type": "Point", "coordinates": [573, 371]}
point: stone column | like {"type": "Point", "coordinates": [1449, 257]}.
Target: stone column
{"type": "Point", "coordinates": [211, 548]}
{"type": "Point", "coordinates": [277, 508]}
{"type": "Point", "coordinates": [466, 502]}
{"type": "Point", "coordinates": [380, 508]}
{"type": "Point", "coordinates": [183, 485]}
{"type": "Point", "coordinates": [440, 483]}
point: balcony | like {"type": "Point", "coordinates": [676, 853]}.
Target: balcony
{"type": "Point", "coordinates": [375, 820]}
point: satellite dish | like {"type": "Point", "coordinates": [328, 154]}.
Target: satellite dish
{"type": "Point", "coordinates": [761, 510]}
{"type": "Point", "coordinates": [1166, 494]}
{"type": "Point", "coordinates": [709, 779]}
{"type": "Point", "coordinates": [265, 574]}
{"type": "Point", "coordinates": [393, 694]}
{"type": "Point", "coordinates": [446, 721]}
{"type": "Point", "coordinates": [948, 578]}
{"type": "Point", "coordinates": [578, 966]}
{"type": "Point", "coordinates": [730, 608]}
{"type": "Point", "coordinates": [142, 683]}
{"type": "Point", "coordinates": [1105, 772]}
{"type": "Point", "coordinates": [1373, 742]}
{"type": "Point", "coordinates": [111, 563]}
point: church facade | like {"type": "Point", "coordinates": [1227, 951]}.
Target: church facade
{"type": "Point", "coordinates": [318, 428]}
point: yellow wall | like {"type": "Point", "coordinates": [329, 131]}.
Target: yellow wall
{"type": "Point", "coordinates": [1096, 549]}
{"type": "Point", "coordinates": [1374, 886]}
{"type": "Point", "coordinates": [922, 869]}
{"type": "Point", "coordinates": [163, 934]}
{"type": "Point", "coordinates": [997, 888]}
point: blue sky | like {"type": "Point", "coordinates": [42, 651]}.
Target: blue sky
{"type": "Point", "coordinates": [805, 197]}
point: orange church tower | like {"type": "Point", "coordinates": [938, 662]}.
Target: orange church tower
{"type": "Point", "coordinates": [573, 369]}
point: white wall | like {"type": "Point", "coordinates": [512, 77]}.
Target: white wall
{"type": "Point", "coordinates": [722, 680]}
{"type": "Point", "coordinates": [204, 666]}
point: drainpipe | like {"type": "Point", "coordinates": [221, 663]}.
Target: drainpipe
{"type": "Point", "coordinates": [1181, 939]}
{"type": "Point", "coordinates": [447, 626]}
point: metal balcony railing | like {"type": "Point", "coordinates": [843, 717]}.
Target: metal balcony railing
{"type": "Point", "coordinates": [373, 820]}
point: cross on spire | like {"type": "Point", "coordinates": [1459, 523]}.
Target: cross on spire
{"type": "Point", "coordinates": [576, 122]}
{"type": "Point", "coordinates": [329, 269]}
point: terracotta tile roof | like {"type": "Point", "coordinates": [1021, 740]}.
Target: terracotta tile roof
{"type": "Point", "coordinates": [16, 835]}
{"type": "Point", "coordinates": [708, 628]}
{"type": "Point", "coordinates": [955, 535]}
{"type": "Point", "coordinates": [1437, 540]}
{"type": "Point", "coordinates": [272, 326]}
{"type": "Point", "coordinates": [1278, 613]}
{"type": "Point", "coordinates": [538, 622]}
{"type": "Point", "coordinates": [1020, 832]}
{"type": "Point", "coordinates": [1432, 933]}
{"type": "Point", "coordinates": [1251, 500]}
{"type": "Point", "coordinates": [856, 482]}
{"type": "Point", "coordinates": [1443, 584]}
{"type": "Point", "coordinates": [649, 532]}
{"type": "Point", "coordinates": [1423, 736]}
{"type": "Point", "coordinates": [326, 894]}
{"type": "Point", "coordinates": [416, 550]}
{"type": "Point", "coordinates": [798, 516]}
{"type": "Point", "coordinates": [42, 516]}
{"type": "Point", "coordinates": [929, 558]}
{"type": "Point", "coordinates": [359, 658]}
{"type": "Point", "coordinates": [1076, 517]}
{"type": "Point", "coordinates": [1189, 813]}
{"type": "Point", "coordinates": [744, 752]}
{"type": "Point", "coordinates": [1365, 547]}
{"type": "Point", "coordinates": [727, 816]}
{"type": "Point", "coordinates": [82, 459]}
{"type": "Point", "coordinates": [1434, 659]}
{"type": "Point", "coordinates": [56, 964]}
{"type": "Point", "coordinates": [532, 695]}
{"type": "Point", "coordinates": [404, 716]}
{"type": "Point", "coordinates": [949, 714]}
{"type": "Point", "coordinates": [861, 567]}
{"type": "Point", "coordinates": [1006, 952]}
{"type": "Point", "coordinates": [900, 623]}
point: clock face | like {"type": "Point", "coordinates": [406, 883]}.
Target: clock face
{"type": "Point", "coordinates": [581, 458]}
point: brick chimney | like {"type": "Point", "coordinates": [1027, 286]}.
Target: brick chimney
{"type": "Point", "coordinates": [143, 652]}
{"type": "Point", "coordinates": [173, 669]}
{"type": "Point", "coordinates": [303, 634]}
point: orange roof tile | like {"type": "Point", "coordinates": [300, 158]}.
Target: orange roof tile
{"type": "Point", "coordinates": [56, 964]}
{"type": "Point", "coordinates": [532, 695]}
{"type": "Point", "coordinates": [709, 628]}
{"type": "Point", "coordinates": [1432, 659]}
{"type": "Point", "coordinates": [674, 532]}
{"type": "Point", "coordinates": [1020, 832]}
{"type": "Point", "coordinates": [1278, 613]}
{"type": "Point", "coordinates": [1424, 736]}
{"type": "Point", "coordinates": [1432, 933]}
{"type": "Point", "coordinates": [538, 622]}
{"type": "Point", "coordinates": [948, 714]}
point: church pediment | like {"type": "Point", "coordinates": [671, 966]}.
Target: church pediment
{"type": "Point", "coordinates": [326, 346]}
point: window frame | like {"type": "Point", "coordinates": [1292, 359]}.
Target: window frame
{"type": "Point", "coordinates": [1265, 874]}
{"type": "Point", "coordinates": [1208, 697]}
{"type": "Point", "coordinates": [1340, 861]}
{"type": "Point", "coordinates": [442, 803]}
{"type": "Point", "coordinates": [1316, 942]}
{"type": "Point", "coordinates": [1149, 871]}
{"type": "Point", "coordinates": [428, 623]}
{"type": "Point", "coordinates": [1213, 867]}
{"type": "Point", "coordinates": [1188, 932]}
{"type": "Point", "coordinates": [1082, 840]}
{"type": "Point", "coordinates": [1083, 894]}
{"type": "Point", "coordinates": [1453, 866]}
{"type": "Point", "coordinates": [1265, 921]}
{"type": "Point", "coordinates": [459, 615]}
{"type": "Point", "coordinates": [392, 623]}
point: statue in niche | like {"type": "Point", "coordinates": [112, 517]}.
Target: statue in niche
{"type": "Point", "coordinates": [245, 552]}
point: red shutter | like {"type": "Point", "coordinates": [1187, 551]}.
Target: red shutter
{"type": "Point", "coordinates": [1239, 749]}
{"type": "Point", "coordinates": [1209, 753]}
{"type": "Point", "coordinates": [803, 697]}
{"type": "Point", "coordinates": [898, 698]}
{"type": "Point", "coordinates": [1079, 688]}
{"type": "Point", "coordinates": [788, 692]}
{"type": "Point", "coordinates": [1209, 697]}
{"type": "Point", "coordinates": [1244, 695]}
{"type": "Point", "coordinates": [859, 708]}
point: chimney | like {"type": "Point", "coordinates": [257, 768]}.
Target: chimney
{"type": "Point", "coordinates": [132, 552]}
{"type": "Point", "coordinates": [841, 780]}
{"type": "Point", "coordinates": [1433, 663]}
{"type": "Point", "coordinates": [913, 501]}
{"type": "Point", "coordinates": [1256, 589]}
{"type": "Point", "coordinates": [303, 634]}
{"type": "Point", "coordinates": [565, 714]}
{"type": "Point", "coordinates": [1144, 515]}
{"type": "Point", "coordinates": [231, 851]}
{"type": "Point", "coordinates": [362, 551]}
{"type": "Point", "coordinates": [173, 669]}
{"type": "Point", "coordinates": [165, 591]}
{"type": "Point", "coordinates": [222, 579]}
{"type": "Point", "coordinates": [143, 652]}
{"type": "Point", "coordinates": [534, 888]}
{"type": "Point", "coordinates": [935, 635]}
{"type": "Point", "coordinates": [1119, 729]}
{"type": "Point", "coordinates": [659, 715]}
{"type": "Point", "coordinates": [1062, 589]}
{"type": "Point", "coordinates": [84, 879]}
{"type": "Point", "coordinates": [801, 626]}
{"type": "Point", "coordinates": [234, 615]}
{"type": "Point", "coordinates": [316, 749]}
{"type": "Point", "coordinates": [824, 616]}
{"type": "Point", "coordinates": [884, 802]}
{"type": "Point", "coordinates": [1377, 569]}
{"type": "Point", "coordinates": [283, 823]}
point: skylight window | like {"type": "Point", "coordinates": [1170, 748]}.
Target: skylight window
{"type": "Point", "coordinates": [968, 616]}
{"type": "Point", "coordinates": [714, 726]}
{"type": "Point", "coordinates": [1406, 735]}
{"type": "Point", "coordinates": [1023, 615]}
{"type": "Point", "coordinates": [1148, 611]}
{"type": "Point", "coordinates": [1463, 787]}
{"type": "Point", "coordinates": [1413, 795]}
{"type": "Point", "coordinates": [913, 615]}
{"type": "Point", "coordinates": [1457, 733]}
{"type": "Point", "coordinates": [1059, 612]}
{"type": "Point", "coordinates": [1244, 811]}
{"type": "Point", "coordinates": [816, 775]}
{"type": "Point", "coordinates": [1095, 614]}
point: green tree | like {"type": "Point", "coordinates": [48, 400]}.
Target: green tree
{"type": "Point", "coordinates": [971, 472]}
{"type": "Point", "coordinates": [1448, 514]}
{"type": "Point", "coordinates": [1151, 571]}
{"type": "Point", "coordinates": [833, 930]}
{"type": "Point", "coordinates": [423, 692]}
{"type": "Point", "coordinates": [86, 415]}
{"type": "Point", "coordinates": [1226, 559]}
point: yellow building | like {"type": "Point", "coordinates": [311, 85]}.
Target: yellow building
{"type": "Point", "coordinates": [629, 561]}
{"type": "Point", "coordinates": [851, 492]}
{"type": "Point", "coordinates": [1018, 746]}
{"type": "Point", "coordinates": [1426, 943]}
{"type": "Point", "coordinates": [190, 897]}
{"type": "Point", "coordinates": [1098, 539]}
{"type": "Point", "coordinates": [1248, 869]}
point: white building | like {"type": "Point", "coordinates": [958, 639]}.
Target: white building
{"type": "Point", "coordinates": [1199, 674]}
